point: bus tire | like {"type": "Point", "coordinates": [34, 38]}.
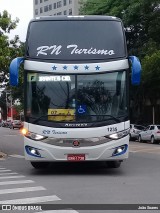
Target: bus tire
{"type": "Point", "coordinates": [114, 164]}
{"type": "Point", "coordinates": [40, 165]}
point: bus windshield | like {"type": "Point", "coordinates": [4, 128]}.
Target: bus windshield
{"type": "Point", "coordinates": [76, 98]}
{"type": "Point", "coordinates": [75, 40]}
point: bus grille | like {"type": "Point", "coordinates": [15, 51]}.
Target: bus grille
{"type": "Point", "coordinates": [80, 141]}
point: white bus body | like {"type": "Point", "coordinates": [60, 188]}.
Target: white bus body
{"type": "Point", "coordinates": [100, 148]}
{"type": "Point", "coordinates": [76, 82]}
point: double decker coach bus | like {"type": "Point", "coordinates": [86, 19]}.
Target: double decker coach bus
{"type": "Point", "coordinates": [76, 89]}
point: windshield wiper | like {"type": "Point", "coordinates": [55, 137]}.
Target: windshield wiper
{"type": "Point", "coordinates": [43, 116]}
{"type": "Point", "coordinates": [114, 118]}
{"type": "Point", "coordinates": [110, 117]}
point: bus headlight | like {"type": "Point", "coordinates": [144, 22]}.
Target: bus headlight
{"type": "Point", "coordinates": [35, 136]}
{"type": "Point", "coordinates": [118, 135]}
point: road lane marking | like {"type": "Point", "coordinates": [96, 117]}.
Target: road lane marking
{"type": "Point", "coordinates": [59, 211]}
{"type": "Point", "coordinates": [31, 200]}
{"type": "Point", "coordinates": [139, 147]}
{"type": "Point", "coordinates": [25, 189]}
{"type": "Point", "coordinates": [153, 152]}
{"type": "Point", "coordinates": [15, 182]}
{"type": "Point", "coordinates": [7, 170]}
{"type": "Point", "coordinates": [16, 156]}
{"type": "Point", "coordinates": [147, 146]}
{"type": "Point", "coordinates": [8, 177]}
{"type": "Point", "coordinates": [157, 151]}
{"type": "Point", "coordinates": [2, 168]}
{"type": "Point", "coordinates": [5, 173]}
{"type": "Point", "coordinates": [145, 149]}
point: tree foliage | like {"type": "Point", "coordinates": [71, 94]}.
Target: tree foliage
{"type": "Point", "coordinates": [9, 49]}
{"type": "Point", "coordinates": [151, 76]}
{"type": "Point", "coordinates": [141, 19]}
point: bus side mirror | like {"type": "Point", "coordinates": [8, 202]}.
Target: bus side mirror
{"type": "Point", "coordinates": [136, 70]}
{"type": "Point", "coordinates": [14, 70]}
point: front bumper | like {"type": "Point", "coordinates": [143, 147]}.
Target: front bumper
{"type": "Point", "coordinates": [102, 152]}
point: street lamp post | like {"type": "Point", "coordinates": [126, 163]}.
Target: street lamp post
{"type": "Point", "coordinates": [7, 105]}
{"type": "Point", "coordinates": [11, 110]}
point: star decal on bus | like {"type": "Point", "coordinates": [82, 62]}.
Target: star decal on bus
{"type": "Point", "coordinates": [65, 67]}
{"type": "Point", "coordinates": [75, 67]}
{"type": "Point", "coordinates": [97, 67]}
{"type": "Point", "coordinates": [54, 67]}
{"type": "Point", "coordinates": [86, 67]}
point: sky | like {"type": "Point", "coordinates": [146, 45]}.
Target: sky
{"type": "Point", "coordinates": [22, 9]}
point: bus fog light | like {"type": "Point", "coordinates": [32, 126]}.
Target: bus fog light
{"type": "Point", "coordinates": [120, 150]}
{"type": "Point", "coordinates": [32, 151]}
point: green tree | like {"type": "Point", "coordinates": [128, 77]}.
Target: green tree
{"type": "Point", "coordinates": [9, 49]}
{"type": "Point", "coordinates": [141, 19]}
{"type": "Point", "coordinates": [151, 76]}
{"type": "Point", "coordinates": [18, 91]}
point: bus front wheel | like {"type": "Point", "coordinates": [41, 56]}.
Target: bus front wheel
{"type": "Point", "coordinates": [40, 165]}
{"type": "Point", "coordinates": [114, 164]}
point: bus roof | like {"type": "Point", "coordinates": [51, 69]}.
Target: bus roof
{"type": "Point", "coordinates": [82, 38]}
{"type": "Point", "coordinates": [77, 18]}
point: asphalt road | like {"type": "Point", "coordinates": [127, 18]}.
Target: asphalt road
{"type": "Point", "coordinates": [137, 181]}
{"type": "Point", "coordinates": [11, 141]}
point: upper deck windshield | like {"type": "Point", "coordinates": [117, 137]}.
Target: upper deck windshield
{"type": "Point", "coordinates": [76, 98]}
{"type": "Point", "coordinates": [75, 40]}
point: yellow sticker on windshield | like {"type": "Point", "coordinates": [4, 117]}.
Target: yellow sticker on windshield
{"type": "Point", "coordinates": [61, 114]}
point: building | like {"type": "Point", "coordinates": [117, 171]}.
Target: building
{"type": "Point", "coordinates": [55, 7]}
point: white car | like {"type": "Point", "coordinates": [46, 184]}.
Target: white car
{"type": "Point", "coordinates": [151, 133]}
{"type": "Point", "coordinates": [134, 131]}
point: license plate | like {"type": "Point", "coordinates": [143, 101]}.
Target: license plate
{"type": "Point", "coordinates": [76, 157]}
